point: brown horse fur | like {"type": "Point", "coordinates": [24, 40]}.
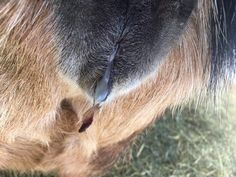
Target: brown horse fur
{"type": "Point", "coordinates": [41, 109]}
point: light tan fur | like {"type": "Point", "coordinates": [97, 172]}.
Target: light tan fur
{"type": "Point", "coordinates": [38, 132]}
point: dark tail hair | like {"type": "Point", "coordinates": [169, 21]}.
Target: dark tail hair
{"type": "Point", "coordinates": [223, 31]}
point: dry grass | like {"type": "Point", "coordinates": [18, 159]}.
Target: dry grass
{"type": "Point", "coordinates": [190, 143]}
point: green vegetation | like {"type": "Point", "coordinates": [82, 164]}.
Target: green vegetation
{"type": "Point", "coordinates": [188, 144]}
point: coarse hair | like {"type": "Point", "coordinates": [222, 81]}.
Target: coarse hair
{"type": "Point", "coordinates": [41, 109]}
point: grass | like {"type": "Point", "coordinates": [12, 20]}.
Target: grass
{"type": "Point", "coordinates": [190, 143]}
{"type": "Point", "coordinates": [181, 147]}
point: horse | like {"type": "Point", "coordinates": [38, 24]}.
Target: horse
{"type": "Point", "coordinates": [80, 79]}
